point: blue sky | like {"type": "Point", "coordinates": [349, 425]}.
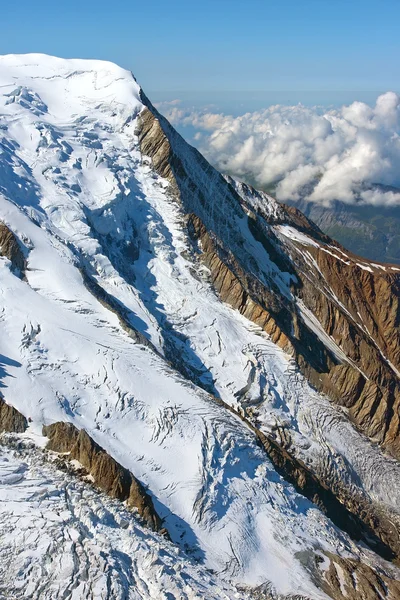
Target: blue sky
{"type": "Point", "coordinates": [205, 50]}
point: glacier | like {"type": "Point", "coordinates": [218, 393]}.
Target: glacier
{"type": "Point", "coordinates": [91, 214]}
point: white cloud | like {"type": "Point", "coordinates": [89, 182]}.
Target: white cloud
{"type": "Point", "coordinates": [167, 103]}
{"type": "Point", "coordinates": [378, 197]}
{"type": "Point", "coordinates": [325, 156]}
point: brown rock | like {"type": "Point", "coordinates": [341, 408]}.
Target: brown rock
{"type": "Point", "coordinates": [348, 579]}
{"type": "Point", "coordinates": [107, 473]}
{"type": "Point", "coordinates": [358, 307]}
{"type": "Point", "coordinates": [10, 248]}
{"type": "Point", "coordinates": [11, 420]}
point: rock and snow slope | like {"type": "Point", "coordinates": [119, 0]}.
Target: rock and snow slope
{"type": "Point", "coordinates": [61, 539]}
{"type": "Point", "coordinates": [115, 327]}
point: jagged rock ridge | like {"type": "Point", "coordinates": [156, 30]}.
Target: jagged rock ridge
{"type": "Point", "coordinates": [107, 474]}
{"type": "Point", "coordinates": [355, 301]}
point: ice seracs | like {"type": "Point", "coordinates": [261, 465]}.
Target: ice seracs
{"type": "Point", "coordinates": [108, 254]}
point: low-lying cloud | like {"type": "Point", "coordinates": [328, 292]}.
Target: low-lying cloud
{"type": "Point", "coordinates": [306, 152]}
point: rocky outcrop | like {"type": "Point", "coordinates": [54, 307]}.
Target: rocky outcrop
{"type": "Point", "coordinates": [11, 421]}
{"type": "Point", "coordinates": [232, 284]}
{"type": "Point", "coordinates": [112, 304]}
{"type": "Point", "coordinates": [154, 143]}
{"type": "Point", "coordinates": [107, 474]}
{"type": "Point", "coordinates": [348, 579]}
{"type": "Point", "coordinates": [357, 305]}
{"type": "Point", "coordinates": [365, 383]}
{"type": "Point", "coordinates": [9, 247]}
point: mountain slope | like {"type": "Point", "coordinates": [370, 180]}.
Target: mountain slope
{"type": "Point", "coordinates": [116, 237]}
{"type": "Point", "coordinates": [287, 264]}
{"type": "Point", "coordinates": [76, 543]}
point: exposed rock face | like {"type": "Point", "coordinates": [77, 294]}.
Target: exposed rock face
{"type": "Point", "coordinates": [357, 307]}
{"type": "Point", "coordinates": [347, 579]}
{"type": "Point", "coordinates": [154, 143]}
{"type": "Point", "coordinates": [336, 314]}
{"type": "Point", "coordinates": [10, 248]}
{"type": "Point", "coordinates": [363, 320]}
{"type": "Point", "coordinates": [11, 420]}
{"type": "Point", "coordinates": [232, 283]}
{"type": "Point", "coordinates": [108, 475]}
{"type": "Point", "coordinates": [359, 310]}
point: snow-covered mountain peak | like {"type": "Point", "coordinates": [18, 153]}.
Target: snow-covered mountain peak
{"type": "Point", "coordinates": [175, 315]}
{"type": "Point", "coordinates": [67, 87]}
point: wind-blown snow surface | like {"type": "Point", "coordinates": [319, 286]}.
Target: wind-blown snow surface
{"type": "Point", "coordinates": [77, 192]}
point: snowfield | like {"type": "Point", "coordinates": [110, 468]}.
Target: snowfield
{"type": "Point", "coordinates": [86, 204]}
{"type": "Point", "coordinates": [61, 539]}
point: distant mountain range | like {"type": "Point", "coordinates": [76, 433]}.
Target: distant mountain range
{"type": "Point", "coordinates": [369, 231]}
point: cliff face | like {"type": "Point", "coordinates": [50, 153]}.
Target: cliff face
{"type": "Point", "coordinates": [107, 474]}
{"type": "Point", "coordinates": [350, 580]}
{"type": "Point", "coordinates": [357, 305]}
{"type": "Point", "coordinates": [337, 314]}
{"type": "Point", "coordinates": [11, 420]}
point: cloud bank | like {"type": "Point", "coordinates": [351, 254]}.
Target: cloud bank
{"type": "Point", "coordinates": [306, 153]}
